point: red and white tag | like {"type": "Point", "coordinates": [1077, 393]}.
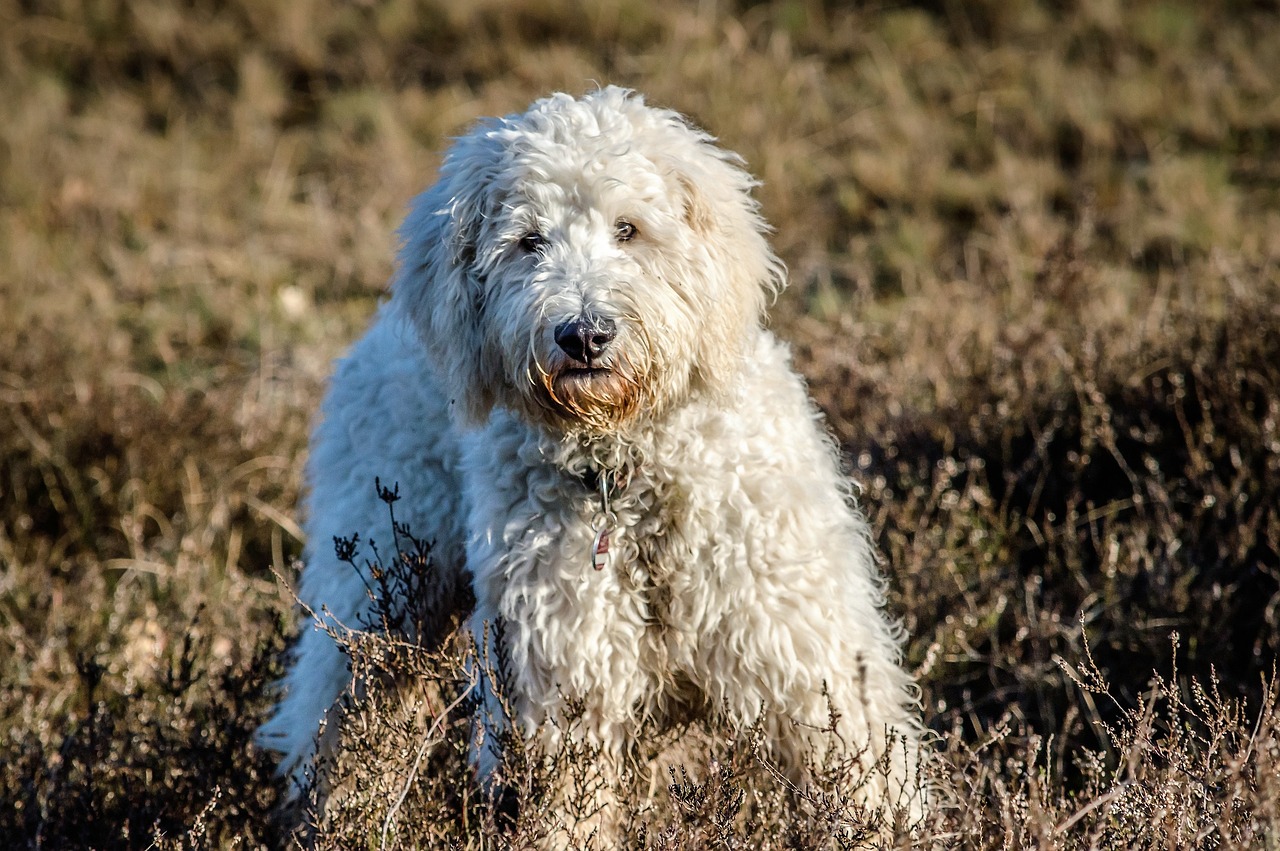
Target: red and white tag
{"type": "Point", "coordinates": [600, 549]}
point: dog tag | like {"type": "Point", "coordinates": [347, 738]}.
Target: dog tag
{"type": "Point", "coordinates": [600, 549]}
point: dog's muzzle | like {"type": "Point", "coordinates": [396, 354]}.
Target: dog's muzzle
{"type": "Point", "coordinates": [591, 384]}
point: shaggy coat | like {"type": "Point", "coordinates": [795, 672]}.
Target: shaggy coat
{"type": "Point", "coordinates": [577, 318]}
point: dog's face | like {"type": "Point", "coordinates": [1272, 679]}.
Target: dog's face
{"type": "Point", "coordinates": [585, 264]}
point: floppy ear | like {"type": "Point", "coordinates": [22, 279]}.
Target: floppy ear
{"type": "Point", "coordinates": [716, 192]}
{"type": "Point", "coordinates": [436, 284]}
{"type": "Point", "coordinates": [742, 272]}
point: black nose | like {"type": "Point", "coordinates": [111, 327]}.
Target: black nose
{"type": "Point", "coordinates": [585, 339]}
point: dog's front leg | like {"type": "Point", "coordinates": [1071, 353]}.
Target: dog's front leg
{"type": "Point", "coordinates": [557, 788]}
{"type": "Point", "coordinates": [493, 716]}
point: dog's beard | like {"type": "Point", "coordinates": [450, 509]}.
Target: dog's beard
{"type": "Point", "coordinates": [597, 398]}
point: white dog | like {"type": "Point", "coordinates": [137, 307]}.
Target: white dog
{"type": "Point", "coordinates": [572, 386]}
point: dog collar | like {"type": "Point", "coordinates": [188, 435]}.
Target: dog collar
{"type": "Point", "coordinates": [605, 482]}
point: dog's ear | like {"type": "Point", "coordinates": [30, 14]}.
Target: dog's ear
{"type": "Point", "coordinates": [436, 284]}
{"type": "Point", "coordinates": [742, 274]}
{"type": "Point", "coordinates": [716, 192]}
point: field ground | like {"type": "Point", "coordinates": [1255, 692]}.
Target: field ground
{"type": "Point", "coordinates": [1034, 255]}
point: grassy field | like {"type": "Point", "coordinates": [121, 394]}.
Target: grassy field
{"type": "Point", "coordinates": [1035, 285]}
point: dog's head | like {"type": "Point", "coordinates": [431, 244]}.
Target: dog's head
{"type": "Point", "coordinates": [586, 263]}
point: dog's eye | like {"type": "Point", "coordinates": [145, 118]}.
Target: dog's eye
{"type": "Point", "coordinates": [624, 231]}
{"type": "Point", "coordinates": [531, 243]}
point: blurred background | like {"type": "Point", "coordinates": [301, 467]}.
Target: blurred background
{"type": "Point", "coordinates": [1034, 285]}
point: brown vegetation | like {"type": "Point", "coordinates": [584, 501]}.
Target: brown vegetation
{"type": "Point", "coordinates": [1034, 258]}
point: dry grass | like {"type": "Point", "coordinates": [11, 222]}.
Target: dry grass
{"type": "Point", "coordinates": [1035, 286]}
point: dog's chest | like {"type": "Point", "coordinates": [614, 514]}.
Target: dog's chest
{"type": "Point", "coordinates": [648, 548]}
{"type": "Point", "coordinates": [647, 607]}
{"type": "Point", "coordinates": [655, 564]}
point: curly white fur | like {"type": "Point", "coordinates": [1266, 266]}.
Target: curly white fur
{"type": "Point", "coordinates": [740, 577]}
